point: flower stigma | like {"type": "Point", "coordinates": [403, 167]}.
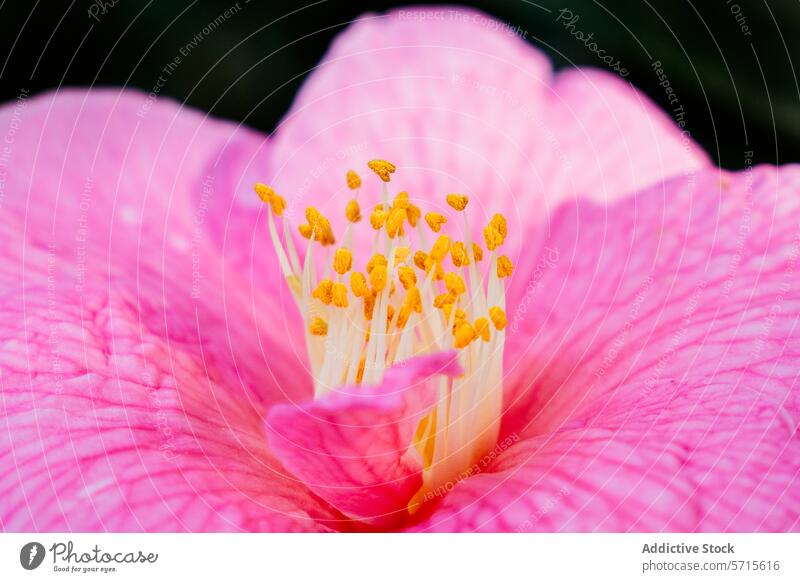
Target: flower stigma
{"type": "Point", "coordinates": [417, 291]}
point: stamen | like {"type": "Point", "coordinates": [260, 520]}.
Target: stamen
{"type": "Point", "coordinates": [388, 312]}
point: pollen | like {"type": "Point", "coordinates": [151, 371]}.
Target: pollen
{"type": "Point", "coordinates": [495, 233]}
{"type": "Point", "coordinates": [455, 284]}
{"type": "Point", "coordinates": [268, 195]}
{"type": "Point", "coordinates": [408, 278]}
{"type": "Point", "coordinates": [477, 252]}
{"type": "Point", "coordinates": [504, 267]}
{"type": "Point", "coordinates": [414, 214]}
{"type": "Point", "coordinates": [401, 254]}
{"type": "Point", "coordinates": [457, 201]}
{"type": "Point", "coordinates": [394, 223]}
{"type": "Point", "coordinates": [435, 220]}
{"type": "Point", "coordinates": [318, 327]}
{"type": "Point", "coordinates": [324, 291]}
{"type": "Point", "coordinates": [342, 260]}
{"type": "Point", "coordinates": [353, 180]}
{"type": "Point", "coordinates": [377, 278]}
{"type": "Point", "coordinates": [339, 294]}
{"type": "Point", "coordinates": [382, 168]}
{"type": "Point", "coordinates": [401, 201]}
{"type": "Point", "coordinates": [420, 257]}
{"type": "Point", "coordinates": [264, 192]}
{"type": "Point", "coordinates": [464, 335]}
{"type": "Point", "coordinates": [353, 211]}
{"type": "Point", "coordinates": [378, 217]}
{"type": "Point", "coordinates": [458, 253]}
{"type": "Point", "coordinates": [358, 283]}
{"type": "Point", "coordinates": [440, 248]}
{"type": "Point", "coordinates": [498, 317]}
{"type": "Point", "coordinates": [377, 259]}
{"type": "Point", "coordinates": [482, 328]}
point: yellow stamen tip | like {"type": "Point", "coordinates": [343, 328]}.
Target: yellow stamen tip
{"type": "Point", "coordinates": [395, 221]}
{"type": "Point", "coordinates": [504, 267]}
{"type": "Point", "coordinates": [358, 283]}
{"type": "Point", "coordinates": [464, 335]}
{"type": "Point", "coordinates": [498, 317]}
{"type": "Point", "coordinates": [353, 180]}
{"type": "Point", "coordinates": [455, 284]}
{"type": "Point", "coordinates": [342, 260]}
{"type": "Point", "coordinates": [401, 201]}
{"type": "Point", "coordinates": [457, 201]}
{"type": "Point", "coordinates": [382, 168]}
{"type": "Point", "coordinates": [324, 291]}
{"type": "Point", "coordinates": [377, 259]}
{"type": "Point", "coordinates": [353, 211]}
{"type": "Point", "coordinates": [401, 254]}
{"type": "Point", "coordinates": [482, 328]}
{"type": "Point", "coordinates": [458, 252]}
{"type": "Point", "coordinates": [408, 278]}
{"type": "Point", "coordinates": [339, 295]}
{"type": "Point", "coordinates": [435, 220]}
{"type": "Point", "coordinates": [378, 217]}
{"type": "Point", "coordinates": [377, 278]}
{"type": "Point", "coordinates": [264, 192]}
{"type": "Point", "coordinates": [420, 257]}
{"type": "Point", "coordinates": [318, 327]}
{"type": "Point", "coordinates": [440, 248]}
{"type": "Point", "coordinates": [477, 252]}
{"type": "Point", "coordinates": [414, 214]}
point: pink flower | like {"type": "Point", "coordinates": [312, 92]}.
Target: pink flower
{"type": "Point", "coordinates": [154, 367]}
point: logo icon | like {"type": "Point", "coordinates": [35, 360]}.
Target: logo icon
{"type": "Point", "coordinates": [31, 555]}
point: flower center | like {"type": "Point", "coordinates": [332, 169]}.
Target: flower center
{"type": "Point", "coordinates": [411, 297]}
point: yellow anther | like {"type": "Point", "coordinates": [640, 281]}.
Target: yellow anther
{"type": "Point", "coordinates": [413, 299]}
{"type": "Point", "coordinates": [401, 254]}
{"type": "Point", "coordinates": [382, 168]}
{"type": "Point", "coordinates": [401, 201]}
{"type": "Point", "coordinates": [444, 299]}
{"type": "Point", "coordinates": [459, 314]}
{"type": "Point", "coordinates": [389, 314]}
{"type": "Point", "coordinates": [362, 363]}
{"type": "Point", "coordinates": [342, 260]}
{"type": "Point", "coordinates": [395, 221]}
{"type": "Point", "coordinates": [318, 327]}
{"type": "Point", "coordinates": [455, 284]}
{"type": "Point", "coordinates": [358, 283]}
{"type": "Point", "coordinates": [440, 248]}
{"type": "Point", "coordinates": [414, 214]}
{"type": "Point", "coordinates": [482, 328]}
{"type": "Point", "coordinates": [353, 180]}
{"type": "Point", "coordinates": [268, 195]}
{"type": "Point", "coordinates": [369, 306]}
{"type": "Point", "coordinates": [324, 291]}
{"type": "Point", "coordinates": [408, 278]}
{"type": "Point", "coordinates": [378, 217]}
{"type": "Point", "coordinates": [377, 259]}
{"type": "Point", "coordinates": [477, 252]}
{"type": "Point", "coordinates": [320, 226]}
{"type": "Point", "coordinates": [419, 259]}
{"type": "Point", "coordinates": [498, 317]}
{"type": "Point", "coordinates": [264, 192]}
{"type": "Point", "coordinates": [504, 267]}
{"type": "Point", "coordinates": [305, 230]}
{"type": "Point", "coordinates": [438, 270]}
{"type": "Point", "coordinates": [464, 334]}
{"type": "Point", "coordinates": [377, 278]}
{"type": "Point", "coordinates": [495, 233]}
{"type": "Point", "coordinates": [499, 222]}
{"type": "Point", "coordinates": [458, 252]}
{"type": "Point", "coordinates": [402, 317]}
{"type": "Point", "coordinates": [435, 220]}
{"type": "Point", "coordinates": [353, 211]}
{"type": "Point", "coordinates": [457, 201]}
{"type": "Point", "coordinates": [340, 295]}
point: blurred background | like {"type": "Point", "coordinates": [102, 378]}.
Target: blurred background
{"type": "Point", "coordinates": [731, 62]}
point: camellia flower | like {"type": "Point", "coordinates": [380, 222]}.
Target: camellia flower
{"type": "Point", "coordinates": [473, 295]}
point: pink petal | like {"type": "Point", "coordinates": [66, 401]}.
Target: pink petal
{"type": "Point", "coordinates": [653, 367]}
{"type": "Point", "coordinates": [132, 395]}
{"type": "Point", "coordinates": [460, 106]}
{"type": "Point", "coordinates": [351, 447]}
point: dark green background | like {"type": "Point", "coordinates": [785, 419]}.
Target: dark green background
{"type": "Point", "coordinates": [739, 92]}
